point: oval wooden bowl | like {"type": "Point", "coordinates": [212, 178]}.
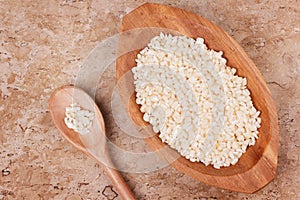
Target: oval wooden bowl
{"type": "Point", "coordinates": [257, 167]}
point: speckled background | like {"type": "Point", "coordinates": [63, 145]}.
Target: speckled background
{"type": "Point", "coordinates": [43, 45]}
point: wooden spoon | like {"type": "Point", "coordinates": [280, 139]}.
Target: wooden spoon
{"type": "Point", "coordinates": [257, 166]}
{"type": "Point", "coordinates": [93, 143]}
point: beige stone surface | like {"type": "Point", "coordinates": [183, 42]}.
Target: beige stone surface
{"type": "Point", "coordinates": [43, 45]}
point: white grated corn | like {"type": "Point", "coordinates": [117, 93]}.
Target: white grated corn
{"type": "Point", "coordinates": [78, 119]}
{"type": "Point", "coordinates": [185, 90]}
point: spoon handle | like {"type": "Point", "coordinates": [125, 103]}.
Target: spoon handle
{"type": "Point", "coordinates": [118, 181]}
{"type": "Point", "coordinates": [96, 146]}
{"type": "Point", "coordinates": [113, 174]}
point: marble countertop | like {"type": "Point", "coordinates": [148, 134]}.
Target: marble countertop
{"type": "Point", "coordinates": [44, 44]}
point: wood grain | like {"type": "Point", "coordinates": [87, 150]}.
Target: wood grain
{"type": "Point", "coordinates": [94, 143]}
{"type": "Point", "coordinates": [257, 167]}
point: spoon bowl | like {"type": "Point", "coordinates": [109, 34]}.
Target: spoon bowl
{"type": "Point", "coordinates": [92, 143]}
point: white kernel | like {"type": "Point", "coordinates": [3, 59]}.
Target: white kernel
{"type": "Point", "coordinates": [78, 119]}
{"type": "Point", "coordinates": [188, 78]}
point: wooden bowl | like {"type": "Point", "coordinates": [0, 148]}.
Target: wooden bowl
{"type": "Point", "coordinates": [256, 167]}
